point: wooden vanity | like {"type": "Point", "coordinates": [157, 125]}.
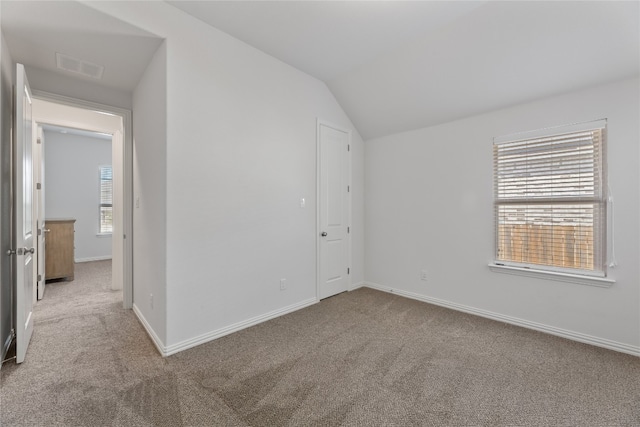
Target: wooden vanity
{"type": "Point", "coordinates": [59, 248]}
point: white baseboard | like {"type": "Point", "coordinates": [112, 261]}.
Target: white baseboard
{"type": "Point", "coordinates": [156, 340]}
{"type": "Point", "coordinates": [355, 286]}
{"type": "Point", "coordinates": [210, 336]}
{"type": "Point", "coordinates": [552, 330]}
{"type": "Point", "coordinates": [95, 258]}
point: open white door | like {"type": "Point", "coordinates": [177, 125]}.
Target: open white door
{"type": "Point", "coordinates": [41, 231]}
{"type": "Point", "coordinates": [24, 219]}
{"type": "Point", "coordinates": [333, 210]}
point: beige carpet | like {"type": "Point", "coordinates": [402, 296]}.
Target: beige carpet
{"type": "Point", "coordinates": [363, 358]}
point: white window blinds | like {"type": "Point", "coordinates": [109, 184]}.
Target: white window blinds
{"type": "Point", "coordinates": [550, 201]}
{"type": "Point", "coordinates": [106, 199]}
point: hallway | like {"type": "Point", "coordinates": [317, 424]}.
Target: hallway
{"type": "Point", "coordinates": [85, 350]}
{"type": "Point", "coordinates": [89, 292]}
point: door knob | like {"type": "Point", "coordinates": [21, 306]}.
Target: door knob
{"type": "Point", "coordinates": [46, 230]}
{"type": "Point", "coordinates": [324, 234]}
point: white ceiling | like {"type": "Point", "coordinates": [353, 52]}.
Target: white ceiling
{"type": "Point", "coordinates": [326, 38]}
{"type": "Point", "coordinates": [393, 65]}
{"type": "Point", "coordinates": [36, 30]}
{"type": "Point", "coordinates": [396, 66]}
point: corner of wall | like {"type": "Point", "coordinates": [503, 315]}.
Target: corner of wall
{"type": "Point", "coordinates": [162, 349]}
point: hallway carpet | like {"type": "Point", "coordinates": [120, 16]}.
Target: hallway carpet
{"type": "Point", "coordinates": [363, 358]}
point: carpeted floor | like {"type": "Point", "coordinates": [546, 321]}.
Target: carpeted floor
{"type": "Point", "coordinates": [363, 358]}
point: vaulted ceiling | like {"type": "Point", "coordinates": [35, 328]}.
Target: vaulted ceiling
{"type": "Point", "coordinates": [392, 65]}
{"type": "Point", "coordinates": [398, 65]}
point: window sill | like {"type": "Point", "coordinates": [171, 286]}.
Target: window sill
{"type": "Point", "coordinates": [104, 234]}
{"type": "Point", "coordinates": [602, 282]}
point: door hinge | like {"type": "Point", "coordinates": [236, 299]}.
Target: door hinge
{"type": "Point", "coordinates": [39, 277]}
{"type": "Point", "coordinates": [348, 188]}
{"type": "Point", "coordinates": [348, 147]}
{"type": "Point", "coordinates": [348, 270]}
{"type": "Point", "coordinates": [39, 141]}
{"type": "Point", "coordinates": [38, 186]}
{"type": "Point", "coordinates": [348, 230]}
{"type": "Point", "coordinates": [39, 232]}
{"type": "Point", "coordinates": [13, 333]}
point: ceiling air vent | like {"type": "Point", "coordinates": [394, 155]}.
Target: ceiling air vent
{"type": "Point", "coordinates": [78, 66]}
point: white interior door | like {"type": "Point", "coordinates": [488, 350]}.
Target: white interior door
{"type": "Point", "coordinates": [38, 161]}
{"type": "Point", "coordinates": [24, 232]}
{"type": "Point", "coordinates": [333, 210]}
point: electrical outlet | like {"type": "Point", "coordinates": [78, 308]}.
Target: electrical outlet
{"type": "Point", "coordinates": [283, 284]}
{"type": "Point", "coordinates": [423, 275]}
{"type": "Point", "coordinates": [151, 300]}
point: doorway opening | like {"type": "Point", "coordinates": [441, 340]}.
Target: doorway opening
{"type": "Point", "coordinates": [101, 205]}
{"type": "Point", "coordinates": [77, 204]}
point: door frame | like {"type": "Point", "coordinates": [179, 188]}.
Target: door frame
{"type": "Point", "coordinates": [127, 208]}
{"type": "Point", "coordinates": [38, 173]}
{"type": "Point", "coordinates": [320, 122]}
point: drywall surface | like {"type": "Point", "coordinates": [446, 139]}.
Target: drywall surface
{"type": "Point", "coordinates": [7, 81]}
{"type": "Point", "coordinates": [429, 206]}
{"type": "Point", "coordinates": [489, 58]}
{"type": "Point", "coordinates": [47, 81]}
{"type": "Point", "coordinates": [72, 188]}
{"type": "Point", "coordinates": [241, 153]}
{"type": "Point", "coordinates": [150, 195]}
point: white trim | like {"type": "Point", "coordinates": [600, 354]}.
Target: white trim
{"type": "Point", "coordinates": [127, 291]}
{"type": "Point", "coordinates": [318, 209]}
{"type": "Point", "coordinates": [156, 340]}
{"type": "Point", "coordinates": [349, 209]}
{"type": "Point", "coordinates": [355, 286]}
{"type": "Point", "coordinates": [210, 336]}
{"type": "Point", "coordinates": [95, 258]}
{"type": "Point", "coordinates": [552, 330]}
{"type": "Point", "coordinates": [601, 282]}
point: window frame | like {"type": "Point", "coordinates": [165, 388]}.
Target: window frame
{"type": "Point", "coordinates": [598, 202]}
{"type": "Point", "coordinates": [102, 205]}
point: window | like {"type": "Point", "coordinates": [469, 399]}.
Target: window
{"type": "Point", "coordinates": [106, 200]}
{"type": "Point", "coordinates": [550, 200]}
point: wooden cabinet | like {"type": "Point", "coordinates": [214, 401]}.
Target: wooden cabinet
{"type": "Point", "coordinates": [59, 248]}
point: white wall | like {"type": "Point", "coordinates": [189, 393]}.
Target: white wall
{"type": "Point", "coordinates": [47, 81]}
{"type": "Point", "coordinates": [429, 206]}
{"type": "Point", "coordinates": [241, 152]}
{"type": "Point", "coordinates": [150, 195]}
{"type": "Point", "coordinates": [72, 188]}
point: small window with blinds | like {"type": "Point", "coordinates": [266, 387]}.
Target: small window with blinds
{"type": "Point", "coordinates": [550, 199]}
{"type": "Point", "coordinates": [106, 200]}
